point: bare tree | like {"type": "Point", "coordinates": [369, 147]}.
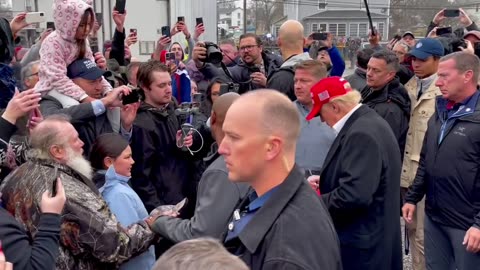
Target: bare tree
{"type": "Point", "coordinates": [265, 13]}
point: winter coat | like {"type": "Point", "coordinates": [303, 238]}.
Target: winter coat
{"type": "Point", "coordinates": [360, 185]}
{"type": "Point", "coordinates": [60, 49]}
{"type": "Point", "coordinates": [91, 237]}
{"type": "Point", "coordinates": [128, 209]}
{"type": "Point", "coordinates": [393, 104]}
{"type": "Point", "coordinates": [282, 78]}
{"type": "Point", "coordinates": [422, 110]}
{"type": "Point", "coordinates": [448, 170]}
{"type": "Point", "coordinates": [358, 80]}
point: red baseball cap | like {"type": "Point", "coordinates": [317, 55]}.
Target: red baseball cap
{"type": "Point", "coordinates": [324, 90]}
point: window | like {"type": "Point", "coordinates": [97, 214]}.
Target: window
{"type": "Point", "coordinates": [362, 30]}
{"type": "Point", "coordinates": [342, 30]}
{"type": "Point", "coordinates": [381, 29]}
{"type": "Point", "coordinates": [332, 28]}
{"type": "Point", "coordinates": [146, 47]}
{"type": "Point", "coordinates": [353, 30]}
{"type": "Point", "coordinates": [238, 15]}
{"type": "Point", "coordinates": [314, 27]}
{"type": "Point", "coordinates": [322, 4]}
{"type": "Point", "coordinates": [323, 27]}
{"type": "Point", "coordinates": [238, 23]}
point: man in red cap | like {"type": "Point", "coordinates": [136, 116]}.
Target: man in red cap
{"type": "Point", "coordinates": [360, 180]}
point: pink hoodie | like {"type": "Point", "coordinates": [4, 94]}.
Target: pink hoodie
{"type": "Point", "coordinates": [60, 49]}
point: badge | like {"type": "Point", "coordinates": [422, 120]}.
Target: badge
{"type": "Point", "coordinates": [236, 215]}
{"type": "Point", "coordinates": [230, 226]}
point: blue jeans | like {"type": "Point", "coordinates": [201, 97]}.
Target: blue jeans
{"type": "Point", "coordinates": [444, 249]}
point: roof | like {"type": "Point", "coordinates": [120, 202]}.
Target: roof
{"type": "Point", "coordinates": [345, 14]}
{"type": "Point", "coordinates": [281, 20]}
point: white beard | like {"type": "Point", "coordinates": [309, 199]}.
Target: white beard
{"type": "Point", "coordinates": [78, 163]}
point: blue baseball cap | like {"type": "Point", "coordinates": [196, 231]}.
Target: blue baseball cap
{"type": "Point", "coordinates": [85, 69]}
{"type": "Point", "coordinates": [427, 47]}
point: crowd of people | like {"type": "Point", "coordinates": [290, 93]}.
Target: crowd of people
{"type": "Point", "coordinates": [218, 156]}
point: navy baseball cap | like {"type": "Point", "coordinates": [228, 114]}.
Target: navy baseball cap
{"type": "Point", "coordinates": [85, 69]}
{"type": "Point", "coordinates": [427, 47]}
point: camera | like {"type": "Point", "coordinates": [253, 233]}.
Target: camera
{"type": "Point", "coordinates": [186, 109]}
{"type": "Point", "coordinates": [214, 55]}
{"type": "Point", "coordinates": [229, 87]}
{"type": "Point", "coordinates": [133, 97]}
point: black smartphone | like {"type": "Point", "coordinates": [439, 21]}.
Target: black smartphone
{"type": "Point", "coordinates": [166, 31]}
{"type": "Point", "coordinates": [180, 19]}
{"type": "Point", "coordinates": [444, 30]}
{"type": "Point", "coordinates": [199, 20]}
{"type": "Point", "coordinates": [120, 6]}
{"type": "Point", "coordinates": [254, 69]}
{"type": "Point", "coordinates": [99, 17]}
{"type": "Point", "coordinates": [133, 97]}
{"type": "Point", "coordinates": [55, 181]}
{"type": "Point", "coordinates": [133, 32]}
{"type": "Point", "coordinates": [224, 88]}
{"type": "Point", "coordinates": [451, 13]}
{"type": "Point", "coordinates": [170, 56]}
{"type": "Point", "coordinates": [94, 49]}
{"type": "Point", "coordinates": [320, 36]}
{"type": "Point", "coordinates": [51, 25]}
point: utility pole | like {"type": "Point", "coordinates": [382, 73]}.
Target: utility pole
{"type": "Point", "coordinates": [244, 16]}
{"type": "Point", "coordinates": [256, 14]}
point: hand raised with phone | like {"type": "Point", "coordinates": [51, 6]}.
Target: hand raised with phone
{"type": "Point", "coordinates": [54, 203]}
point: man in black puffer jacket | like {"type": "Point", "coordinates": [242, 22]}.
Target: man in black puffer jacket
{"type": "Point", "coordinates": [386, 95]}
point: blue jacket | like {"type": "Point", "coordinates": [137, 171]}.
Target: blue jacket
{"type": "Point", "coordinates": [128, 208]}
{"type": "Point", "coordinates": [338, 65]}
{"type": "Point", "coordinates": [448, 172]}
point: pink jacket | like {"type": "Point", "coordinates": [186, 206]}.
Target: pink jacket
{"type": "Point", "coordinates": [59, 50]}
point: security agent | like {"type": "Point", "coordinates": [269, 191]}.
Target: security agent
{"type": "Point", "coordinates": [261, 129]}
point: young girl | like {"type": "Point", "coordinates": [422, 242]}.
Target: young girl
{"type": "Point", "coordinates": [73, 21]}
{"type": "Point", "coordinates": [112, 153]}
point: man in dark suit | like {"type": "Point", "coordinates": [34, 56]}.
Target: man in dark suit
{"type": "Point", "coordinates": [360, 180]}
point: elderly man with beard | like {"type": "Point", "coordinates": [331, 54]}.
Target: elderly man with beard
{"type": "Point", "coordinates": [91, 237]}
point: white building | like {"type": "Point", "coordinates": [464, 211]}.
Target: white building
{"type": "Point", "coordinates": [231, 17]}
{"type": "Point", "coordinates": [148, 17]}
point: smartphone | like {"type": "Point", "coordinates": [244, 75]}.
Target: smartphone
{"type": "Point", "coordinates": [320, 36]}
{"type": "Point", "coordinates": [99, 17]}
{"type": "Point", "coordinates": [198, 98]}
{"type": "Point", "coordinates": [166, 31]}
{"type": "Point", "coordinates": [199, 20]}
{"type": "Point", "coordinates": [133, 32]}
{"type": "Point", "coordinates": [254, 69]}
{"type": "Point", "coordinates": [133, 97]}
{"type": "Point", "coordinates": [35, 17]}
{"type": "Point", "coordinates": [170, 56]}
{"type": "Point", "coordinates": [451, 13]}
{"type": "Point", "coordinates": [181, 19]}
{"type": "Point", "coordinates": [186, 128]}
{"type": "Point", "coordinates": [51, 25]}
{"type": "Point", "coordinates": [444, 30]}
{"type": "Point", "coordinates": [55, 181]}
{"type": "Point", "coordinates": [224, 88]}
{"type": "Point", "coordinates": [120, 6]}
{"type": "Point", "coordinates": [94, 48]}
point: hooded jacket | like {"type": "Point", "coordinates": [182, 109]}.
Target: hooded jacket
{"type": "Point", "coordinates": [392, 103]}
{"type": "Point", "coordinates": [282, 79]}
{"type": "Point", "coordinates": [60, 49]}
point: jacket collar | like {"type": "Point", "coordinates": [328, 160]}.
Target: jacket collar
{"type": "Point", "coordinates": [472, 106]}
{"type": "Point", "coordinates": [254, 232]}
{"type": "Point", "coordinates": [336, 143]}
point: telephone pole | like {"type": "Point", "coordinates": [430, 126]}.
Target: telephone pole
{"type": "Point", "coordinates": [244, 16]}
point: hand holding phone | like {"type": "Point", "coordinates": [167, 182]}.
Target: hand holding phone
{"type": "Point", "coordinates": [166, 31]}
{"type": "Point", "coordinates": [199, 20]}
{"type": "Point", "coordinates": [120, 6]}
{"type": "Point", "coordinates": [35, 17]}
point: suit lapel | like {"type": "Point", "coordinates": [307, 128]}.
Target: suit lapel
{"type": "Point", "coordinates": [338, 140]}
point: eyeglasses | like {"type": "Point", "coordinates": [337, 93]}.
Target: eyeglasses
{"type": "Point", "coordinates": [34, 74]}
{"type": "Point", "coordinates": [248, 47]}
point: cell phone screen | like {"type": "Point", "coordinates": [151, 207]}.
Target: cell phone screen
{"type": "Point", "coordinates": [444, 30]}
{"type": "Point", "coordinates": [199, 20]}
{"type": "Point", "coordinates": [451, 13]}
{"type": "Point", "coordinates": [181, 19]}
{"type": "Point", "coordinates": [166, 31]}
{"type": "Point", "coordinates": [120, 6]}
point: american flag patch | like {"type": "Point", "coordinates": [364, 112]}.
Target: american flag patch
{"type": "Point", "coordinates": [323, 95]}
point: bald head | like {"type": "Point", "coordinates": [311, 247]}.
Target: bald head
{"type": "Point", "coordinates": [291, 35]}
{"type": "Point", "coordinates": [274, 111]}
{"type": "Point", "coordinates": [222, 104]}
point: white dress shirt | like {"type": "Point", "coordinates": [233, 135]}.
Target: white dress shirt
{"type": "Point", "coordinates": [339, 125]}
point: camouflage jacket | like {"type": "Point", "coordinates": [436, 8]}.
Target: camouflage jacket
{"type": "Point", "coordinates": [91, 237]}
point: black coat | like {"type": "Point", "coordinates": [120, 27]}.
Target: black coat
{"type": "Point", "coordinates": [24, 252]}
{"type": "Point", "coordinates": [448, 173]}
{"type": "Point", "coordinates": [292, 230]}
{"type": "Point", "coordinates": [360, 184]}
{"type": "Point", "coordinates": [162, 173]}
{"type": "Point", "coordinates": [393, 104]}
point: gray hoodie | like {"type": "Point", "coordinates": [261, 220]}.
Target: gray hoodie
{"type": "Point", "coordinates": [282, 79]}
